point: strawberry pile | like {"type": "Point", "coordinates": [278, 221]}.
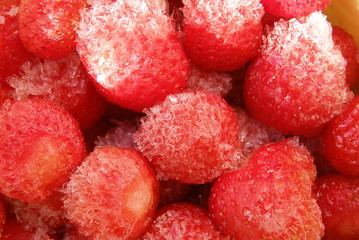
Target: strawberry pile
{"type": "Point", "coordinates": [177, 119]}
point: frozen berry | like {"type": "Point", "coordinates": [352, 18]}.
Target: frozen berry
{"type": "Point", "coordinates": [208, 80]}
{"type": "Point", "coordinates": [133, 52]}
{"type": "Point", "coordinates": [265, 199]}
{"type": "Point", "coordinates": [63, 81]}
{"type": "Point", "coordinates": [338, 198]}
{"type": "Point", "coordinates": [287, 160]}
{"type": "Point", "coordinates": [112, 195]}
{"type": "Point", "coordinates": [349, 49]}
{"type": "Point", "coordinates": [40, 143]}
{"type": "Point", "coordinates": [293, 8]}
{"type": "Point", "coordinates": [182, 221]}
{"type": "Point", "coordinates": [297, 83]}
{"type": "Point", "coordinates": [191, 137]}
{"type": "Point", "coordinates": [47, 27]}
{"type": "Point", "coordinates": [340, 143]}
{"type": "Point", "coordinates": [12, 52]}
{"type": "Point", "coordinates": [222, 35]}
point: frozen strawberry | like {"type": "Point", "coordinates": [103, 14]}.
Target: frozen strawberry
{"type": "Point", "coordinates": [112, 195]}
{"type": "Point", "coordinates": [340, 140]}
{"type": "Point", "coordinates": [47, 27]}
{"type": "Point", "coordinates": [12, 52]}
{"type": "Point", "coordinates": [338, 198]}
{"type": "Point", "coordinates": [118, 136]}
{"type": "Point", "coordinates": [222, 35]}
{"type": "Point", "coordinates": [293, 8]}
{"type": "Point", "coordinates": [172, 191]}
{"type": "Point", "coordinates": [269, 197]}
{"type": "Point", "coordinates": [297, 83]}
{"type": "Point", "coordinates": [63, 81]}
{"type": "Point", "coordinates": [182, 221]}
{"type": "Point", "coordinates": [14, 230]}
{"type": "Point", "coordinates": [133, 52]}
{"type": "Point", "coordinates": [46, 216]}
{"type": "Point", "coordinates": [349, 49]}
{"type": "Point", "coordinates": [40, 143]}
{"type": "Point", "coordinates": [253, 134]}
{"type": "Point", "coordinates": [287, 160]}
{"type": "Point", "coordinates": [191, 137]}
{"type": "Point", "coordinates": [208, 80]}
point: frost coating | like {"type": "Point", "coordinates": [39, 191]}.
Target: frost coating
{"type": "Point", "coordinates": [191, 137]}
{"type": "Point", "coordinates": [297, 83]}
{"type": "Point", "coordinates": [132, 51]}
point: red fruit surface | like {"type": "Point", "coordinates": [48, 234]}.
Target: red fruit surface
{"type": "Point", "coordinates": [191, 137]}
{"type": "Point", "coordinates": [265, 199]}
{"type": "Point", "coordinates": [287, 160]}
{"type": "Point", "coordinates": [222, 35]}
{"type": "Point", "coordinates": [297, 83]}
{"type": "Point", "coordinates": [253, 134]}
{"type": "Point", "coordinates": [340, 140]}
{"type": "Point", "coordinates": [14, 230]}
{"type": "Point", "coordinates": [182, 221]}
{"type": "Point", "coordinates": [208, 80]}
{"type": "Point", "coordinates": [12, 52]}
{"type": "Point", "coordinates": [112, 195]}
{"type": "Point", "coordinates": [133, 53]}
{"type": "Point", "coordinates": [172, 191]}
{"type": "Point", "coordinates": [293, 8]}
{"type": "Point", "coordinates": [40, 144]}
{"type": "Point", "coordinates": [63, 81]}
{"type": "Point", "coordinates": [338, 198]}
{"type": "Point", "coordinates": [47, 27]}
{"type": "Point", "coordinates": [349, 49]}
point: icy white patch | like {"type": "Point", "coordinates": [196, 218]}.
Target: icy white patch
{"type": "Point", "coordinates": [13, 11]}
{"type": "Point", "coordinates": [2, 19]}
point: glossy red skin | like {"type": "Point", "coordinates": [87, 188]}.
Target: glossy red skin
{"type": "Point", "coordinates": [112, 195]}
{"type": "Point", "coordinates": [227, 52]}
{"type": "Point", "coordinates": [12, 52]}
{"type": "Point", "coordinates": [47, 28]}
{"type": "Point", "coordinates": [349, 49]}
{"type": "Point", "coordinates": [183, 137]}
{"type": "Point", "coordinates": [338, 198]}
{"type": "Point", "coordinates": [40, 144]}
{"type": "Point", "coordinates": [265, 199]}
{"type": "Point", "coordinates": [340, 140]}
{"type": "Point", "coordinates": [141, 67]}
{"type": "Point", "coordinates": [182, 221]}
{"type": "Point", "coordinates": [293, 8]}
